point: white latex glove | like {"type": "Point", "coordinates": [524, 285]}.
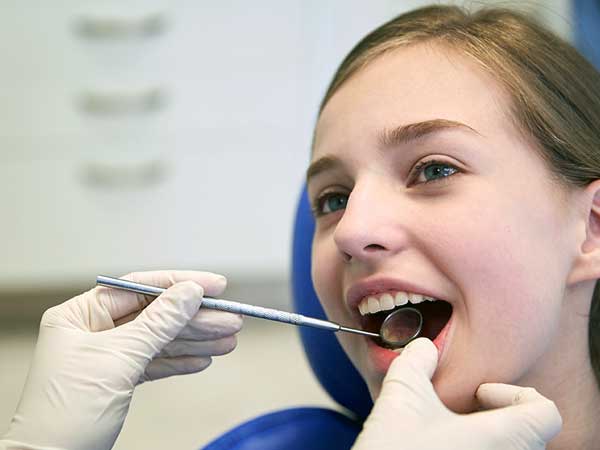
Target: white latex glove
{"type": "Point", "coordinates": [94, 349]}
{"type": "Point", "coordinates": [409, 415]}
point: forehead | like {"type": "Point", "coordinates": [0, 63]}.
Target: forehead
{"type": "Point", "coordinates": [412, 84]}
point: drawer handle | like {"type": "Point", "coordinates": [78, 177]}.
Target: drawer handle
{"type": "Point", "coordinates": [123, 101]}
{"type": "Point", "coordinates": [121, 174]}
{"type": "Point", "coordinates": [120, 27]}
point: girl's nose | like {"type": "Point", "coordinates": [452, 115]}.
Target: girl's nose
{"type": "Point", "coordinates": [371, 228]}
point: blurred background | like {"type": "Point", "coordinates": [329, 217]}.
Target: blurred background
{"type": "Point", "coordinates": [155, 134]}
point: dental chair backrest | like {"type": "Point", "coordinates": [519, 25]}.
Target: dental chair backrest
{"type": "Point", "coordinates": [308, 428]}
{"type": "Point", "coordinates": [586, 32]}
{"type": "Point", "coordinates": [330, 364]}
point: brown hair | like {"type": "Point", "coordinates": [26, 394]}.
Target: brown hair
{"type": "Point", "coordinates": [554, 91]}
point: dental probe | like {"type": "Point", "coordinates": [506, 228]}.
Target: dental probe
{"type": "Point", "coordinates": [235, 307]}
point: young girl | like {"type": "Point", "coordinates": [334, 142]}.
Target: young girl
{"type": "Point", "coordinates": [455, 166]}
{"type": "Point", "coordinates": [456, 157]}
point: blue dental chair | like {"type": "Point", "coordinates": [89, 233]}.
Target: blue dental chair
{"type": "Point", "coordinates": [308, 428]}
{"type": "Point", "coordinates": [587, 29]}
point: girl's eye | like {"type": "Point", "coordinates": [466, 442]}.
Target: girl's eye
{"type": "Point", "coordinates": [429, 171]}
{"type": "Point", "coordinates": [330, 202]}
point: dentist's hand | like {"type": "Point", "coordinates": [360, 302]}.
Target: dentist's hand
{"type": "Point", "coordinates": [94, 349]}
{"type": "Point", "coordinates": [409, 415]}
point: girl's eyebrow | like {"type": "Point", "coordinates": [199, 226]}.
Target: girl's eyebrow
{"type": "Point", "coordinates": [394, 137]}
{"type": "Point", "coordinates": [321, 165]}
{"type": "Point", "coordinates": [404, 134]}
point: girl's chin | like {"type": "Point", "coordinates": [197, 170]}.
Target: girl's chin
{"type": "Point", "coordinates": [458, 397]}
{"type": "Point", "coordinates": [460, 400]}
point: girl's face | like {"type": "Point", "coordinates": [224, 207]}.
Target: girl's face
{"type": "Point", "coordinates": [422, 184]}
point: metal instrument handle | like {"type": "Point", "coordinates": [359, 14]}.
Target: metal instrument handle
{"type": "Point", "coordinates": [225, 305]}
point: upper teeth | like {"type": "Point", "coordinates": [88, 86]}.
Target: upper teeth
{"type": "Point", "coordinates": [382, 302]}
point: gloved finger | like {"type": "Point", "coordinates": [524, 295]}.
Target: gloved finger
{"type": "Point", "coordinates": [521, 408]}
{"type": "Point", "coordinates": [407, 391]}
{"type": "Point", "coordinates": [210, 324]}
{"type": "Point", "coordinates": [206, 325]}
{"type": "Point", "coordinates": [499, 395]}
{"type": "Point", "coordinates": [120, 304]}
{"type": "Point", "coordinates": [128, 318]}
{"type": "Point", "coordinates": [418, 360]}
{"type": "Point", "coordinates": [167, 367]}
{"type": "Point", "coordinates": [182, 347]}
{"type": "Point", "coordinates": [160, 323]}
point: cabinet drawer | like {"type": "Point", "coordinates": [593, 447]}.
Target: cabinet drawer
{"type": "Point", "coordinates": [224, 206]}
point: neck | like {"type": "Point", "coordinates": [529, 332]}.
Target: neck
{"type": "Point", "coordinates": [564, 375]}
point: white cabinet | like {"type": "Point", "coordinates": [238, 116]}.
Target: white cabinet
{"type": "Point", "coordinates": [209, 210]}
{"type": "Point", "coordinates": [148, 134]}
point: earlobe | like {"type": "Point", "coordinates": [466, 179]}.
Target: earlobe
{"type": "Point", "coordinates": [587, 263]}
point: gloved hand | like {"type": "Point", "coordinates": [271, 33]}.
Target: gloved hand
{"type": "Point", "coordinates": [409, 415]}
{"type": "Point", "coordinates": [94, 349]}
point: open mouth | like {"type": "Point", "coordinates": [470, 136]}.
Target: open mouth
{"type": "Point", "coordinates": [374, 309]}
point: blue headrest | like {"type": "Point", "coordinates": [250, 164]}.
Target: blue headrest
{"type": "Point", "coordinates": [330, 364]}
{"type": "Point", "coordinates": [587, 29]}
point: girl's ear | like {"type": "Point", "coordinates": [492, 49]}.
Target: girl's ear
{"type": "Point", "coordinates": [586, 266]}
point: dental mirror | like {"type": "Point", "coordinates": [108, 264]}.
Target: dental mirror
{"type": "Point", "coordinates": [401, 327]}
